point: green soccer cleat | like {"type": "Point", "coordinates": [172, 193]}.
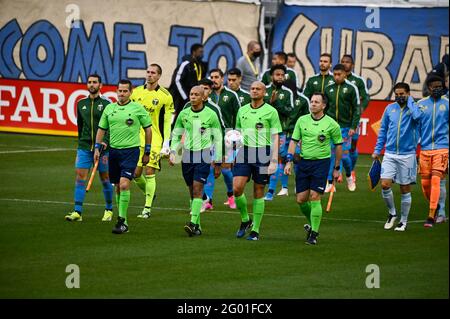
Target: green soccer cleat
{"type": "Point", "coordinates": [107, 215]}
{"type": "Point", "coordinates": [146, 213]}
{"type": "Point", "coordinates": [74, 217]}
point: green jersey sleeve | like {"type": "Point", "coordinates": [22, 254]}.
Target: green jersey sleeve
{"type": "Point", "coordinates": [355, 110]}
{"type": "Point", "coordinates": [275, 124]}
{"type": "Point", "coordinates": [217, 136]}
{"type": "Point", "coordinates": [177, 132]}
{"type": "Point", "coordinates": [297, 135]}
{"type": "Point", "coordinates": [143, 116]}
{"type": "Point", "coordinates": [103, 123]}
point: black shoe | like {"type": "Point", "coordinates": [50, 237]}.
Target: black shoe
{"type": "Point", "coordinates": [312, 239]}
{"type": "Point", "coordinates": [245, 226]}
{"type": "Point", "coordinates": [307, 229]}
{"type": "Point", "coordinates": [192, 229]}
{"type": "Point", "coordinates": [120, 227]}
{"type": "Point", "coordinates": [253, 236]}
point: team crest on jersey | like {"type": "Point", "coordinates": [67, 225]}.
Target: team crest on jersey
{"type": "Point", "coordinates": [84, 107]}
{"type": "Point", "coordinates": [287, 76]}
{"type": "Point", "coordinates": [225, 98]}
{"type": "Point", "coordinates": [202, 130]}
{"type": "Point", "coordinates": [129, 121]}
{"type": "Point", "coordinates": [315, 82]}
{"type": "Point", "coordinates": [281, 96]}
{"type": "Point", "coordinates": [332, 90]}
{"type": "Point", "coordinates": [330, 82]}
{"type": "Point", "coordinates": [259, 125]}
{"type": "Point", "coordinates": [241, 99]}
{"type": "Point", "coordinates": [442, 107]}
{"type": "Point", "coordinates": [344, 90]}
{"type": "Point", "coordinates": [354, 82]}
{"type": "Point", "coordinates": [100, 107]}
{"type": "Point", "coordinates": [321, 138]}
{"type": "Point", "coordinates": [155, 101]}
{"type": "Point", "coordinates": [297, 102]}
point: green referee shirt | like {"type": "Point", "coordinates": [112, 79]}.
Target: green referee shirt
{"type": "Point", "coordinates": [257, 125]}
{"type": "Point", "coordinates": [201, 130]}
{"type": "Point", "coordinates": [124, 123]}
{"type": "Point", "coordinates": [228, 101]}
{"type": "Point", "coordinates": [317, 83]}
{"type": "Point", "coordinates": [316, 135]}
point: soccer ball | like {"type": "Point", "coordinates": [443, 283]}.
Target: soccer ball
{"type": "Point", "coordinates": [233, 137]}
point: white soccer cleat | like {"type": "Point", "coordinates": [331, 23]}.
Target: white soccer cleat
{"type": "Point", "coordinates": [400, 227]}
{"type": "Point", "coordinates": [351, 184]}
{"type": "Point", "coordinates": [441, 219]}
{"type": "Point", "coordinates": [390, 221]}
{"type": "Point", "coordinates": [283, 192]}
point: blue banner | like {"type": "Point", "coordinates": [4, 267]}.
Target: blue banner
{"type": "Point", "coordinates": [388, 45]}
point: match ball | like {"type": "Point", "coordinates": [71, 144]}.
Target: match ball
{"type": "Point", "coordinates": [233, 137]}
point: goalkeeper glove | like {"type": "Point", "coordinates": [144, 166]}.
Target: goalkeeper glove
{"type": "Point", "coordinates": [165, 151]}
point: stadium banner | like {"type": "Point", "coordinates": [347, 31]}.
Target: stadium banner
{"type": "Point", "coordinates": [41, 107]}
{"type": "Point", "coordinates": [64, 41]}
{"type": "Point", "coordinates": [389, 44]}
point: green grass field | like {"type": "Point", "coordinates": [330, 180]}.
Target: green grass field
{"type": "Point", "coordinates": [157, 259]}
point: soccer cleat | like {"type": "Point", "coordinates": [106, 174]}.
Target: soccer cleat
{"type": "Point", "coordinates": [351, 184]}
{"type": "Point", "coordinates": [192, 229]}
{"type": "Point", "coordinates": [146, 213]}
{"type": "Point", "coordinates": [206, 206]}
{"type": "Point", "coordinates": [312, 238]}
{"type": "Point", "coordinates": [74, 217]}
{"type": "Point", "coordinates": [269, 196]}
{"type": "Point", "coordinates": [400, 227]}
{"type": "Point", "coordinates": [253, 236]}
{"type": "Point", "coordinates": [120, 227]}
{"type": "Point", "coordinates": [107, 215]}
{"type": "Point", "coordinates": [354, 176]}
{"type": "Point", "coordinates": [429, 222]}
{"type": "Point", "coordinates": [231, 202]}
{"type": "Point", "coordinates": [283, 192]}
{"type": "Point", "coordinates": [245, 226]}
{"type": "Point", "coordinates": [441, 219]}
{"type": "Point", "coordinates": [308, 230]}
{"type": "Point", "coordinates": [390, 221]}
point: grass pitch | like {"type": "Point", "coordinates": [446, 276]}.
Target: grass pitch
{"type": "Point", "coordinates": [157, 259]}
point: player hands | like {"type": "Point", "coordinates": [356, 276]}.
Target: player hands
{"type": "Point", "coordinates": [165, 151]}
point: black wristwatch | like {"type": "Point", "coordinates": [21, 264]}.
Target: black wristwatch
{"type": "Point", "coordinates": [337, 167]}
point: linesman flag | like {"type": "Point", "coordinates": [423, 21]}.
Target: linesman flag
{"type": "Point", "coordinates": [374, 174]}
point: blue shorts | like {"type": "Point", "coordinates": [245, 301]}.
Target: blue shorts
{"type": "Point", "coordinates": [311, 174]}
{"type": "Point", "coordinates": [196, 166]}
{"type": "Point", "coordinates": [122, 163]}
{"type": "Point", "coordinates": [356, 135]}
{"type": "Point", "coordinates": [85, 159]}
{"type": "Point", "coordinates": [254, 162]}
{"type": "Point", "coordinates": [284, 144]}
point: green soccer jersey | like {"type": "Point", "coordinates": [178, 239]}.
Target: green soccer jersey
{"type": "Point", "coordinates": [244, 96]}
{"type": "Point", "coordinates": [315, 136]}
{"type": "Point", "coordinates": [201, 130]}
{"type": "Point", "coordinates": [301, 107]}
{"type": "Point", "coordinates": [257, 125]}
{"type": "Point", "coordinates": [266, 78]}
{"type": "Point", "coordinates": [284, 103]}
{"type": "Point", "coordinates": [343, 104]}
{"type": "Point", "coordinates": [89, 112]}
{"type": "Point", "coordinates": [124, 123]}
{"type": "Point", "coordinates": [228, 101]}
{"type": "Point", "coordinates": [317, 83]}
{"type": "Point", "coordinates": [362, 89]}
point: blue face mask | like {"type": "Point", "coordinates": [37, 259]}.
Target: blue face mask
{"type": "Point", "coordinates": [401, 99]}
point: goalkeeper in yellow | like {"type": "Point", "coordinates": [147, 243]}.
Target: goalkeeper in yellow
{"type": "Point", "coordinates": [159, 104]}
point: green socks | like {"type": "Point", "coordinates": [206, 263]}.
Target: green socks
{"type": "Point", "coordinates": [306, 210]}
{"type": "Point", "coordinates": [258, 211]}
{"type": "Point", "coordinates": [140, 182]}
{"type": "Point", "coordinates": [123, 204]}
{"type": "Point", "coordinates": [316, 215]}
{"type": "Point", "coordinates": [196, 206]}
{"type": "Point", "coordinates": [150, 188]}
{"type": "Point", "coordinates": [241, 203]}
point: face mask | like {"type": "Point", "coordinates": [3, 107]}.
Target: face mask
{"type": "Point", "coordinates": [436, 93]}
{"type": "Point", "coordinates": [256, 54]}
{"type": "Point", "coordinates": [401, 99]}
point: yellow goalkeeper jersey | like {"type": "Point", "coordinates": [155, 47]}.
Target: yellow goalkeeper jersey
{"type": "Point", "coordinates": [154, 101]}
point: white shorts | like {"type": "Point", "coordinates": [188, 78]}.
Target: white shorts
{"type": "Point", "coordinates": [402, 169]}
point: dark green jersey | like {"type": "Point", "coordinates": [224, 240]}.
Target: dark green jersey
{"type": "Point", "coordinates": [89, 113]}
{"type": "Point", "coordinates": [244, 96]}
{"type": "Point", "coordinates": [315, 136]}
{"type": "Point", "coordinates": [301, 107]}
{"type": "Point", "coordinates": [266, 78]}
{"type": "Point", "coordinates": [124, 123]}
{"type": "Point", "coordinates": [257, 125]}
{"type": "Point", "coordinates": [343, 104]}
{"type": "Point", "coordinates": [317, 83]}
{"type": "Point", "coordinates": [201, 130]}
{"type": "Point", "coordinates": [228, 101]}
{"type": "Point", "coordinates": [284, 103]}
{"type": "Point", "coordinates": [362, 90]}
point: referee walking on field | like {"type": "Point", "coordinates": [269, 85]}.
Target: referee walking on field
{"type": "Point", "coordinates": [124, 120]}
{"type": "Point", "coordinates": [315, 131]}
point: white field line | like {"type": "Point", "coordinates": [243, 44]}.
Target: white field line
{"type": "Point", "coordinates": [38, 150]}
{"type": "Point", "coordinates": [325, 216]}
